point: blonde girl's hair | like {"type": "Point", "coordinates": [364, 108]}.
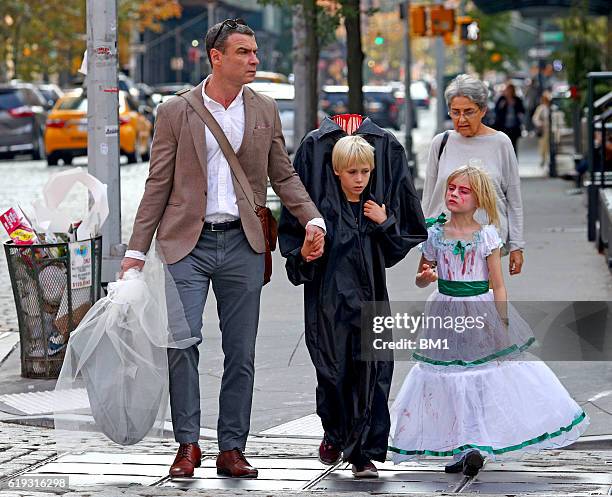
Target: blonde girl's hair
{"type": "Point", "coordinates": [351, 150]}
{"type": "Point", "coordinates": [482, 187]}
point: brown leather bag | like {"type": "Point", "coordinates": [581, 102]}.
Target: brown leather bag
{"type": "Point", "coordinates": [270, 230]}
{"type": "Point", "coordinates": [264, 214]}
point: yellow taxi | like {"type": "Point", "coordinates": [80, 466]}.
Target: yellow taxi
{"type": "Point", "coordinates": [66, 129]}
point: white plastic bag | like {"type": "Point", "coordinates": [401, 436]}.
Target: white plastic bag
{"type": "Point", "coordinates": [118, 353]}
{"type": "Point", "coordinates": [49, 217]}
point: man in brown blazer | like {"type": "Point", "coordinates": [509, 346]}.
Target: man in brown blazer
{"type": "Point", "coordinates": [208, 232]}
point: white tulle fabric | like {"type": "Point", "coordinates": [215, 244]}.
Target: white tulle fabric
{"type": "Point", "coordinates": [118, 355]}
{"type": "Point", "coordinates": [500, 408]}
{"type": "Point", "coordinates": [483, 390]}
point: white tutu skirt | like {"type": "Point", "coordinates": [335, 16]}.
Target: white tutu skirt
{"type": "Point", "coordinates": [471, 330]}
{"type": "Point", "coordinates": [501, 408]}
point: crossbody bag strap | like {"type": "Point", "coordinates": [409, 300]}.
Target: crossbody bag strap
{"type": "Point", "coordinates": [443, 144]}
{"type": "Point", "coordinates": [225, 146]}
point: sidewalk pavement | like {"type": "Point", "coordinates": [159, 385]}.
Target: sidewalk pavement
{"type": "Point", "coordinates": [560, 265]}
{"type": "Point", "coordinates": [28, 456]}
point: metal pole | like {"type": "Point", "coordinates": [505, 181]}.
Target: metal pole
{"type": "Point", "coordinates": [412, 163]}
{"type": "Point", "coordinates": [541, 62]}
{"type": "Point", "coordinates": [211, 8]}
{"type": "Point", "coordinates": [212, 20]}
{"type": "Point", "coordinates": [103, 123]}
{"type": "Point", "coordinates": [440, 65]}
{"type": "Point", "coordinates": [552, 144]}
{"type": "Point", "coordinates": [462, 47]}
{"type": "Point", "coordinates": [440, 54]}
{"type": "Point", "coordinates": [177, 55]}
{"type": "Point", "coordinates": [592, 189]}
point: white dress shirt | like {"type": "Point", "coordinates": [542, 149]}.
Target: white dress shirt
{"type": "Point", "coordinates": [221, 204]}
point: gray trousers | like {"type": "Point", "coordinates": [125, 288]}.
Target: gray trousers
{"type": "Point", "coordinates": [226, 259]}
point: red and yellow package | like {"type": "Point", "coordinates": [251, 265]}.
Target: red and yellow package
{"type": "Point", "coordinates": [18, 228]}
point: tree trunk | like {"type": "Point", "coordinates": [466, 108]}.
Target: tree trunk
{"type": "Point", "coordinates": [16, 49]}
{"type": "Point", "coordinates": [306, 58]}
{"type": "Point", "coordinates": [3, 59]}
{"type": "Point", "coordinates": [354, 57]}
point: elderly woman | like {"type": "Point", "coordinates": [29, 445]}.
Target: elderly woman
{"type": "Point", "coordinates": [471, 142]}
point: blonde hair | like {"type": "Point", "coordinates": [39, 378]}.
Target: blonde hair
{"type": "Point", "coordinates": [482, 187]}
{"type": "Point", "coordinates": [351, 150]}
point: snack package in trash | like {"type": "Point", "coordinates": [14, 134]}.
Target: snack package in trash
{"type": "Point", "coordinates": [18, 228]}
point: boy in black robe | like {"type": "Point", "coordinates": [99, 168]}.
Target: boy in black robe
{"type": "Point", "coordinates": [363, 237]}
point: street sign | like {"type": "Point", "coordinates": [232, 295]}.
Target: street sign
{"type": "Point", "coordinates": [539, 53]}
{"type": "Point", "coordinates": [552, 36]}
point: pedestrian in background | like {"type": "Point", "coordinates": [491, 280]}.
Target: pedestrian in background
{"type": "Point", "coordinates": [471, 141]}
{"type": "Point", "coordinates": [509, 113]}
{"type": "Point", "coordinates": [208, 231]}
{"type": "Point", "coordinates": [541, 122]}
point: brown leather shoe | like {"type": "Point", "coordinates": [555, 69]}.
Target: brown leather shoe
{"type": "Point", "coordinates": [233, 463]}
{"type": "Point", "coordinates": [188, 457]}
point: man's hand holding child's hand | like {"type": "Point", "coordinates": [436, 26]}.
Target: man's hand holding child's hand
{"type": "Point", "coordinates": [313, 245]}
{"type": "Point", "coordinates": [375, 212]}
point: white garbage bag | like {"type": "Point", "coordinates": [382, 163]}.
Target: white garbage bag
{"type": "Point", "coordinates": [118, 354]}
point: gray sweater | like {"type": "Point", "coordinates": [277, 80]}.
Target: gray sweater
{"type": "Point", "coordinates": [497, 158]}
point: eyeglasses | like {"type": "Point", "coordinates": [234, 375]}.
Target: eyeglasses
{"type": "Point", "coordinates": [231, 24]}
{"type": "Point", "coordinates": [467, 113]}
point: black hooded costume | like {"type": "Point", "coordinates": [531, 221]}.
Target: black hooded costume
{"type": "Point", "coordinates": [352, 394]}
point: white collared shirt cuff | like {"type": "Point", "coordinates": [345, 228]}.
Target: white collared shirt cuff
{"type": "Point", "coordinates": [135, 254]}
{"type": "Point", "coordinates": [319, 222]}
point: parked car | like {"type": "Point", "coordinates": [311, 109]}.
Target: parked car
{"type": "Point", "coordinates": [284, 94]}
{"type": "Point", "coordinates": [23, 112]}
{"type": "Point", "coordinates": [66, 134]}
{"type": "Point", "coordinates": [270, 77]}
{"type": "Point", "coordinates": [380, 103]}
{"type": "Point", "coordinates": [51, 92]}
{"type": "Point", "coordinates": [163, 92]}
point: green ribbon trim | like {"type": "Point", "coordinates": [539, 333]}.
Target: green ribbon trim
{"type": "Point", "coordinates": [487, 448]}
{"type": "Point", "coordinates": [462, 288]}
{"type": "Point", "coordinates": [459, 249]}
{"type": "Point", "coordinates": [477, 362]}
{"type": "Point", "coordinates": [430, 221]}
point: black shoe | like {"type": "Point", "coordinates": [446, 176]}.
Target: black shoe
{"type": "Point", "coordinates": [454, 467]}
{"type": "Point", "coordinates": [472, 463]}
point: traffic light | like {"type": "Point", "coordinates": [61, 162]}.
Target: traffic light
{"type": "Point", "coordinates": [468, 29]}
{"type": "Point", "coordinates": [418, 21]}
{"type": "Point", "coordinates": [442, 20]}
{"type": "Point", "coordinates": [379, 40]}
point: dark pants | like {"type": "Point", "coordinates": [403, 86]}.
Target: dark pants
{"type": "Point", "coordinates": [226, 259]}
{"type": "Point", "coordinates": [514, 134]}
{"type": "Point", "coordinates": [352, 395]}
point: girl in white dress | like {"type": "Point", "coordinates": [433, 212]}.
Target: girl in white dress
{"type": "Point", "coordinates": [481, 395]}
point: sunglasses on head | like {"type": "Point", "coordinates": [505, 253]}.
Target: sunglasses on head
{"type": "Point", "coordinates": [231, 24]}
